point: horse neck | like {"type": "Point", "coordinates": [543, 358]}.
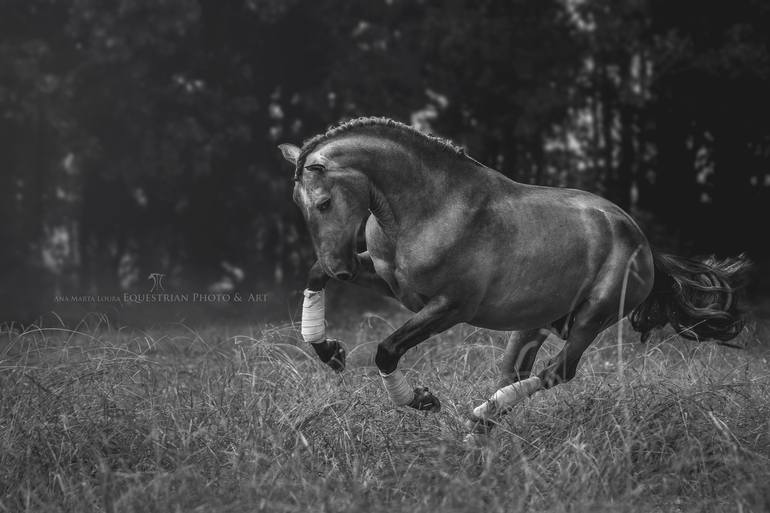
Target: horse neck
{"type": "Point", "coordinates": [406, 187]}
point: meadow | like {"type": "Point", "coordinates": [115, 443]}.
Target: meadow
{"type": "Point", "coordinates": [98, 417]}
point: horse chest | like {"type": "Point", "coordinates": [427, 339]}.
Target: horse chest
{"type": "Point", "coordinates": [396, 276]}
{"type": "Point", "coordinates": [398, 282]}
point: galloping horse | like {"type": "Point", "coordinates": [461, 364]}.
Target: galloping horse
{"type": "Point", "coordinates": [455, 241]}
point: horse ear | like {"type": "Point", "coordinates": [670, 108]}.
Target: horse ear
{"type": "Point", "coordinates": [290, 152]}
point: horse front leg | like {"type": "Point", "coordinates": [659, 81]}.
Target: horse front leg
{"type": "Point", "coordinates": [436, 316]}
{"type": "Point", "coordinates": [313, 327]}
{"type": "Point", "coordinates": [329, 350]}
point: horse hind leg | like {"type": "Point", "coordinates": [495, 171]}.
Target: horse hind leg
{"type": "Point", "coordinates": [518, 360]}
{"type": "Point", "coordinates": [520, 354]}
{"type": "Point", "coordinates": [559, 370]}
{"type": "Point", "coordinates": [590, 320]}
{"type": "Point", "coordinates": [581, 327]}
{"type": "Point", "coordinates": [613, 297]}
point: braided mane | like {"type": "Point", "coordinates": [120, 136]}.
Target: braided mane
{"type": "Point", "coordinates": [365, 122]}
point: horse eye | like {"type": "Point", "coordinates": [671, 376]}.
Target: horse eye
{"type": "Point", "coordinates": [325, 204]}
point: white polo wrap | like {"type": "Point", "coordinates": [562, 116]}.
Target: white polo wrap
{"type": "Point", "coordinates": [507, 397]}
{"type": "Point", "coordinates": [398, 388]}
{"type": "Point", "coordinates": [313, 315]}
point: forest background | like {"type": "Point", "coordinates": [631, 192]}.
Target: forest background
{"type": "Point", "coordinates": [139, 137]}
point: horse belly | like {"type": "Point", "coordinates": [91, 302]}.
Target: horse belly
{"type": "Point", "coordinates": [515, 318]}
{"type": "Point", "coordinates": [523, 309]}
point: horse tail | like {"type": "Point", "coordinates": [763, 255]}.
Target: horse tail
{"type": "Point", "coordinates": [696, 296]}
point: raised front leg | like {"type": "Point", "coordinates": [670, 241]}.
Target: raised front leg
{"type": "Point", "coordinates": [436, 316]}
{"type": "Point", "coordinates": [329, 350]}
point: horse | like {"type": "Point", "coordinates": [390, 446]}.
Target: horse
{"type": "Point", "coordinates": [455, 241]}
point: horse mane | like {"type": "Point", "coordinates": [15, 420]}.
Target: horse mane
{"type": "Point", "coordinates": [377, 122]}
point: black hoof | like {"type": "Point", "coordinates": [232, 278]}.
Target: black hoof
{"type": "Point", "coordinates": [337, 360]}
{"type": "Point", "coordinates": [478, 426]}
{"type": "Point", "coordinates": [424, 400]}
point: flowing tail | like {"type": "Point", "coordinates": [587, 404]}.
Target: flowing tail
{"type": "Point", "coordinates": [696, 296]}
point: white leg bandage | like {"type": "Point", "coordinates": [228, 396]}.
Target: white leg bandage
{"type": "Point", "coordinates": [507, 397]}
{"type": "Point", "coordinates": [398, 388]}
{"type": "Point", "coordinates": [313, 315]}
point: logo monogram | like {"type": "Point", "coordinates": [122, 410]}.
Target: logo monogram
{"type": "Point", "coordinates": [157, 282]}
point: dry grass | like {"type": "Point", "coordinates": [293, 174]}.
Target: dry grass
{"type": "Point", "coordinates": [244, 419]}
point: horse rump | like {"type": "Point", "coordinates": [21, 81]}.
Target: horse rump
{"type": "Point", "coordinates": [697, 296]}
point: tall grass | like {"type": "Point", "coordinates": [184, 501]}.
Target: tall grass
{"type": "Point", "coordinates": [239, 418]}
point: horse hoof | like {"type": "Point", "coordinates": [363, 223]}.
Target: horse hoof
{"type": "Point", "coordinates": [337, 359]}
{"type": "Point", "coordinates": [424, 400]}
{"type": "Point", "coordinates": [477, 425]}
{"type": "Point", "coordinates": [474, 440]}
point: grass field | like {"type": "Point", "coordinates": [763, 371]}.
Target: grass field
{"type": "Point", "coordinates": [242, 418]}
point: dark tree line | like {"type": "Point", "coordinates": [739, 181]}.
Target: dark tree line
{"type": "Point", "coordinates": [139, 136]}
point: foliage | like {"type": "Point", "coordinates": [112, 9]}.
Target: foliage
{"type": "Point", "coordinates": [139, 137]}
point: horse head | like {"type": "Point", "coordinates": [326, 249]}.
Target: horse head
{"type": "Point", "coordinates": [334, 199]}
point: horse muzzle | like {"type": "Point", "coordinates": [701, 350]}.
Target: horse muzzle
{"type": "Point", "coordinates": [344, 272]}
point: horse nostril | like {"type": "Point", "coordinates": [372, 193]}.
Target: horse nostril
{"type": "Point", "coordinates": [343, 275]}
